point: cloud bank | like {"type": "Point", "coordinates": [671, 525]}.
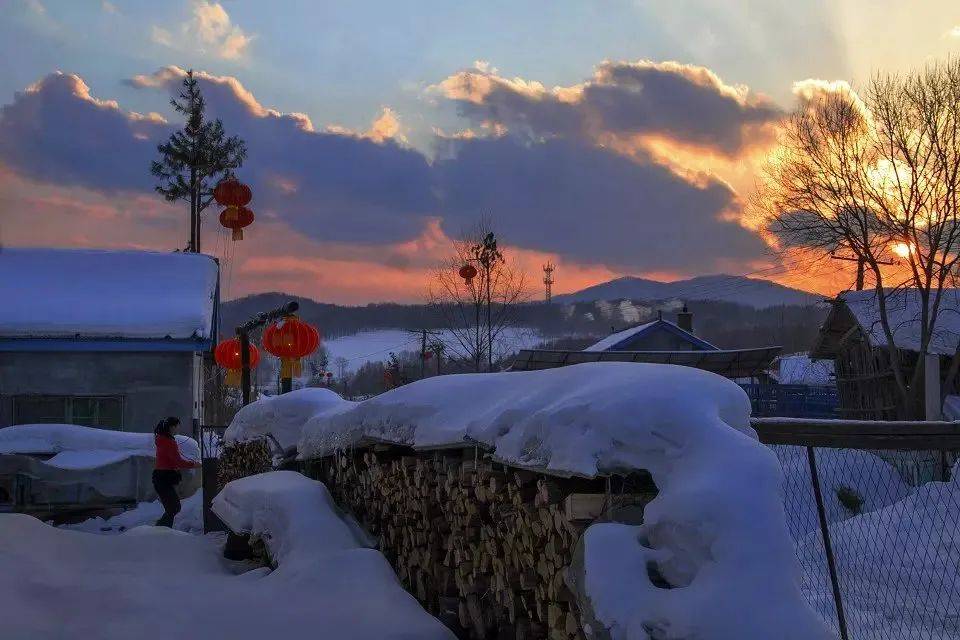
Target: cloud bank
{"type": "Point", "coordinates": [545, 171]}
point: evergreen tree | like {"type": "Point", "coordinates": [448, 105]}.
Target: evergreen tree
{"type": "Point", "coordinates": [195, 158]}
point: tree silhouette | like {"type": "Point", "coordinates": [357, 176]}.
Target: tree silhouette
{"type": "Point", "coordinates": [194, 159]}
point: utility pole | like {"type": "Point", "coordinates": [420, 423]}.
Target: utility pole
{"type": "Point", "coordinates": [548, 281]}
{"type": "Point", "coordinates": [423, 333]}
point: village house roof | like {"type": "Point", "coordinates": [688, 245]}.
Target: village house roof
{"type": "Point", "coordinates": [81, 294]}
{"type": "Point", "coordinates": [861, 309]}
{"type": "Point", "coordinates": [616, 341]}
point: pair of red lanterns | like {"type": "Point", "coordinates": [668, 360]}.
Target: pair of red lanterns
{"type": "Point", "coordinates": [235, 196]}
{"type": "Point", "coordinates": [290, 339]}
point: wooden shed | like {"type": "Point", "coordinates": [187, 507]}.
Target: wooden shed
{"type": "Point", "coordinates": [853, 337]}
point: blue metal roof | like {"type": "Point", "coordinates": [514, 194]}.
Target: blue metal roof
{"type": "Point", "coordinates": [101, 344]}
{"type": "Point", "coordinates": [702, 345]}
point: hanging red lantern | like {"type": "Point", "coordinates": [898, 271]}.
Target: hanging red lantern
{"type": "Point", "coordinates": [228, 355]}
{"type": "Point", "coordinates": [230, 192]}
{"type": "Point", "coordinates": [468, 272]}
{"type": "Point", "coordinates": [236, 218]}
{"type": "Point", "coordinates": [329, 374]}
{"type": "Point", "coordinates": [290, 340]}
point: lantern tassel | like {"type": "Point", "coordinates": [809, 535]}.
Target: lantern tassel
{"type": "Point", "coordinates": [237, 234]}
{"type": "Point", "coordinates": [233, 377]}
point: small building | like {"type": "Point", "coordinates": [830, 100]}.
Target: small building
{"type": "Point", "coordinates": [658, 341]}
{"type": "Point", "coordinates": [853, 338]}
{"type": "Point", "coordinates": [656, 335]}
{"type": "Point", "coordinates": [112, 339]}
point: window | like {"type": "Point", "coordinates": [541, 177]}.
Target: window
{"type": "Point", "coordinates": [91, 411]}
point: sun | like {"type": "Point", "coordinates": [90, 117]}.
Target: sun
{"type": "Point", "coordinates": [902, 249]}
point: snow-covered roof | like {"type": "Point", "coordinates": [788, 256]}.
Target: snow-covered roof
{"type": "Point", "coordinates": [903, 313]}
{"type": "Point", "coordinates": [583, 419]}
{"type": "Point", "coordinates": [74, 446]}
{"type": "Point", "coordinates": [614, 340]}
{"type": "Point", "coordinates": [799, 368]}
{"type": "Point", "coordinates": [50, 293]}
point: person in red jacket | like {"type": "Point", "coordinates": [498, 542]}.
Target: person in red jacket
{"type": "Point", "coordinates": [166, 473]}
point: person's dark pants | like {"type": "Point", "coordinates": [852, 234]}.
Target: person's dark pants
{"type": "Point", "coordinates": [165, 483]}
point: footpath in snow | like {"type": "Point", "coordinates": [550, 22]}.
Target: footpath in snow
{"type": "Point", "coordinates": [154, 583]}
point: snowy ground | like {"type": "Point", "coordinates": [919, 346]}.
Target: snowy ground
{"type": "Point", "coordinates": [374, 346]}
{"type": "Point", "coordinates": [190, 518]}
{"type": "Point", "coordinates": [897, 561]}
{"type": "Point", "coordinates": [154, 583]}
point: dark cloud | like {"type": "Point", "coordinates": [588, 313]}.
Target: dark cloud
{"type": "Point", "coordinates": [561, 192]}
{"type": "Point", "coordinates": [685, 103]}
{"type": "Point", "coordinates": [56, 132]}
{"type": "Point", "coordinates": [593, 205]}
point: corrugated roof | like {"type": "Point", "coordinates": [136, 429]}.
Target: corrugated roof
{"type": "Point", "coordinates": [736, 363]}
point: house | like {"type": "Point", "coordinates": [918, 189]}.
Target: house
{"type": "Point", "coordinates": [113, 339]}
{"type": "Point", "coordinates": [854, 339]}
{"type": "Point", "coordinates": [658, 341]}
{"type": "Point", "coordinates": [656, 335]}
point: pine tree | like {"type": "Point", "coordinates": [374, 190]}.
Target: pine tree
{"type": "Point", "coordinates": [195, 158]}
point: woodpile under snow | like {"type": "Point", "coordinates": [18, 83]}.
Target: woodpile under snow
{"type": "Point", "coordinates": [478, 543]}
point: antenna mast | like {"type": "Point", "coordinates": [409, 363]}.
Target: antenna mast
{"type": "Point", "coordinates": [548, 280]}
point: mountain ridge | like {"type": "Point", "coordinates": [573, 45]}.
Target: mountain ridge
{"type": "Point", "coordinates": [753, 292]}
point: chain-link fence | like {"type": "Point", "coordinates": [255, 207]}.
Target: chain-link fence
{"type": "Point", "coordinates": [875, 514]}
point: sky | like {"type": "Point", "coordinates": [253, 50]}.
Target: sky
{"type": "Point", "coordinates": [612, 138]}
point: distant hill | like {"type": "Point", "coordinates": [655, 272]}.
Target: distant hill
{"type": "Point", "coordinates": [759, 294]}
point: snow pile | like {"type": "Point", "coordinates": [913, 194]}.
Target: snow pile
{"type": "Point", "coordinates": [582, 419]}
{"type": "Point", "coordinates": [283, 416]}
{"type": "Point", "coordinates": [897, 566]}
{"type": "Point", "coordinates": [876, 482]}
{"type": "Point", "coordinates": [190, 518]}
{"type": "Point", "coordinates": [77, 447]}
{"type": "Point", "coordinates": [152, 583]}
{"type": "Point", "coordinates": [904, 309]}
{"type": "Point", "coordinates": [116, 294]}
{"type": "Point", "coordinates": [716, 531]}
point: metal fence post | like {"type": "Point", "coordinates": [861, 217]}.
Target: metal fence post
{"type": "Point", "coordinates": [827, 547]}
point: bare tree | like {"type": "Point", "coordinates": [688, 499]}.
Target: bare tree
{"type": "Point", "coordinates": [477, 311]}
{"type": "Point", "coordinates": [878, 175]}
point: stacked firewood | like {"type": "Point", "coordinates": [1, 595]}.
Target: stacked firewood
{"type": "Point", "coordinates": [483, 546]}
{"type": "Point", "coordinates": [243, 459]}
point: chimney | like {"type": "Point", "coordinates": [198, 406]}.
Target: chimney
{"type": "Point", "coordinates": [685, 319]}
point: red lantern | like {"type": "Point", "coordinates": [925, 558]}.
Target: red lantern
{"type": "Point", "coordinates": [236, 218]}
{"type": "Point", "coordinates": [230, 192]}
{"type": "Point", "coordinates": [229, 356]}
{"type": "Point", "coordinates": [290, 340]}
{"type": "Point", "coordinates": [329, 374]}
{"type": "Point", "coordinates": [468, 272]}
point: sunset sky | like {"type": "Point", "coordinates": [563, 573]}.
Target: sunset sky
{"type": "Point", "coordinates": [613, 138]}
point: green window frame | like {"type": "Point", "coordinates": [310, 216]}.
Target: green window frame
{"type": "Point", "coordinates": [92, 411]}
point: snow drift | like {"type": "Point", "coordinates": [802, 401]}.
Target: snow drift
{"type": "Point", "coordinates": [152, 583]}
{"type": "Point", "coordinates": [283, 416]}
{"type": "Point", "coordinates": [716, 532]}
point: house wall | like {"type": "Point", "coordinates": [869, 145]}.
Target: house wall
{"type": "Point", "coordinates": [153, 384]}
{"type": "Point", "coordinates": [656, 340]}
